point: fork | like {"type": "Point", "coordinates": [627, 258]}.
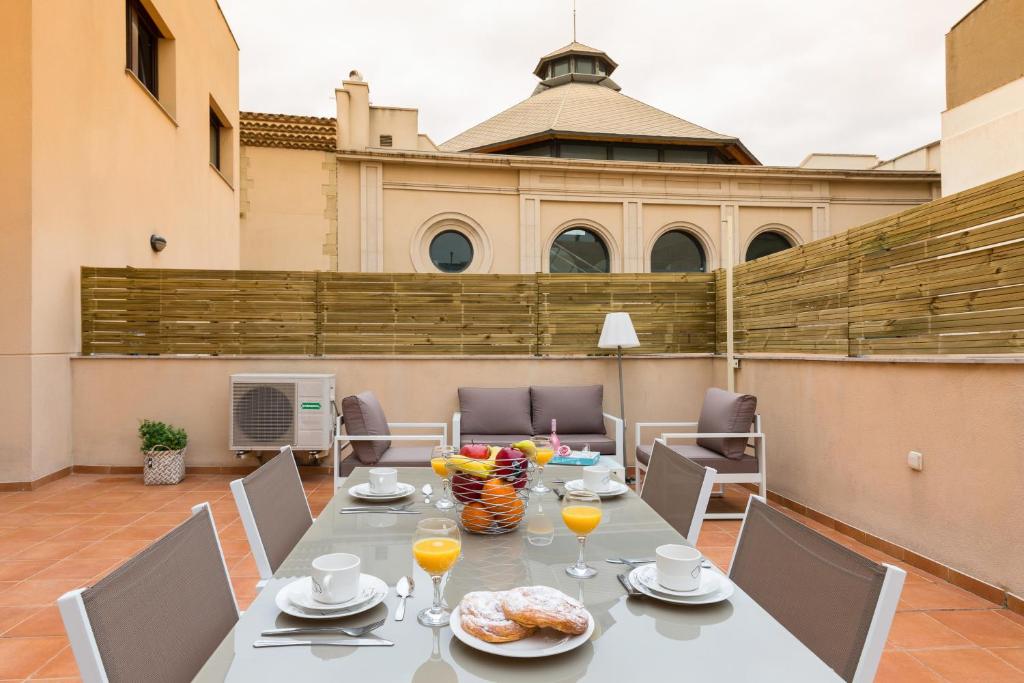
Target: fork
{"type": "Point", "coordinates": [354, 631]}
{"type": "Point", "coordinates": [630, 591]}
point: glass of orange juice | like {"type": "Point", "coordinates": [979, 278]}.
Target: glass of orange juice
{"type": "Point", "coordinates": [541, 457]}
{"type": "Point", "coordinates": [581, 512]}
{"type": "Point", "coordinates": [436, 546]}
{"type": "Point", "coordinates": [439, 457]}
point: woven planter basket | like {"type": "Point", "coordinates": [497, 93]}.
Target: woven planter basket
{"type": "Point", "coordinates": [162, 466]}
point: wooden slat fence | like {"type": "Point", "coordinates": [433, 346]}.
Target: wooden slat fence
{"type": "Point", "coordinates": [141, 311]}
{"type": "Point", "coordinates": [945, 277]}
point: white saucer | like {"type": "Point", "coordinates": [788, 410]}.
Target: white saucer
{"type": "Point", "coordinates": [300, 593]}
{"type": "Point", "coordinates": [363, 492]}
{"type": "Point", "coordinates": [284, 600]}
{"type": "Point", "coordinates": [709, 583]}
{"type": "Point", "coordinates": [543, 643]}
{"type": "Point", "coordinates": [723, 592]}
{"type": "Point", "coordinates": [617, 488]}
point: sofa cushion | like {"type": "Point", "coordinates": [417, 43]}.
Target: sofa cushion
{"type": "Point", "coordinates": [495, 411]}
{"type": "Point", "coordinates": [724, 411]}
{"type": "Point", "coordinates": [406, 456]}
{"type": "Point", "coordinates": [492, 439]}
{"type": "Point", "coordinates": [363, 416]}
{"type": "Point", "coordinates": [702, 456]}
{"type": "Point", "coordinates": [599, 443]}
{"type": "Point", "coordinates": [578, 409]}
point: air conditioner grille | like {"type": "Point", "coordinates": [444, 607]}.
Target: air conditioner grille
{"type": "Point", "coordinates": [263, 414]}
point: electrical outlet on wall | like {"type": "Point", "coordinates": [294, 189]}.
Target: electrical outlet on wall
{"type": "Point", "coordinates": [915, 461]}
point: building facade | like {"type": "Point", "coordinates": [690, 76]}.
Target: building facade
{"type": "Point", "coordinates": [120, 123]}
{"type": "Point", "coordinates": [577, 177]}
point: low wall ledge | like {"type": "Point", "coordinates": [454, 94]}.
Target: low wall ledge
{"type": "Point", "coordinates": [405, 357]}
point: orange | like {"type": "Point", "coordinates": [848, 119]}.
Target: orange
{"type": "Point", "coordinates": [475, 517]}
{"type": "Point", "coordinates": [497, 492]}
{"type": "Point", "coordinates": [509, 514]}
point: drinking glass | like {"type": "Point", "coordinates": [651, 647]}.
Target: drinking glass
{"type": "Point", "coordinates": [542, 456]}
{"type": "Point", "coordinates": [439, 462]}
{"type": "Point", "coordinates": [581, 512]}
{"type": "Point", "coordinates": [436, 546]}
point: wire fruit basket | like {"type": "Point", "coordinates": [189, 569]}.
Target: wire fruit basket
{"type": "Point", "coordinates": [491, 492]}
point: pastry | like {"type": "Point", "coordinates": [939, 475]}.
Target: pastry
{"type": "Point", "coordinates": [482, 616]}
{"type": "Point", "coordinates": [545, 607]}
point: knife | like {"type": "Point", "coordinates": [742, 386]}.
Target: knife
{"type": "Point", "coordinates": [346, 642]}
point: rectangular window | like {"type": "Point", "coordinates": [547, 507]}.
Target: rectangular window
{"type": "Point", "coordinates": [215, 132]}
{"type": "Point", "coordinates": [635, 153]}
{"type": "Point", "coordinates": [575, 150]}
{"type": "Point", "coordinates": [560, 68]}
{"type": "Point", "coordinates": [686, 156]}
{"type": "Point", "coordinates": [584, 65]}
{"type": "Point", "coordinates": [142, 39]}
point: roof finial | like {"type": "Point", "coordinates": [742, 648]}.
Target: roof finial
{"type": "Point", "coordinates": [574, 21]}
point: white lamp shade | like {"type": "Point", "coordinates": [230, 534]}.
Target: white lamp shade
{"type": "Point", "coordinates": [618, 331]}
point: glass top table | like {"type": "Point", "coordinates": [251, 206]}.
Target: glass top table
{"type": "Point", "coordinates": [634, 638]}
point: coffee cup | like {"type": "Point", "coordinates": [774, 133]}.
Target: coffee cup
{"type": "Point", "coordinates": [597, 478]}
{"type": "Point", "coordinates": [383, 479]}
{"type": "Point", "coordinates": [335, 577]}
{"type": "Point", "coordinates": [678, 567]}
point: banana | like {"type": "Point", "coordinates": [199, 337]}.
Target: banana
{"type": "Point", "coordinates": [528, 448]}
{"type": "Point", "coordinates": [478, 468]}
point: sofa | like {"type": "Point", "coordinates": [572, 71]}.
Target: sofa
{"type": "Point", "coordinates": [506, 415]}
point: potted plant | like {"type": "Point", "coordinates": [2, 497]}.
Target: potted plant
{"type": "Point", "coordinates": [163, 446]}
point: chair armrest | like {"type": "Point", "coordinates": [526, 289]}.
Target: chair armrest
{"type": "Point", "coordinates": [390, 437]}
{"type": "Point", "coordinates": [457, 429]}
{"type": "Point", "coordinates": [639, 426]}
{"type": "Point", "coordinates": [408, 425]}
{"type": "Point", "coordinates": [620, 435]}
{"type": "Point", "coordinates": [713, 435]}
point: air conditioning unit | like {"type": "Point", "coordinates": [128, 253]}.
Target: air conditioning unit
{"type": "Point", "coordinates": [269, 411]}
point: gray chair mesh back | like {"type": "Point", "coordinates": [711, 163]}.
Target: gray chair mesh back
{"type": "Point", "coordinates": [278, 505]}
{"type": "Point", "coordinates": [823, 593]}
{"type": "Point", "coordinates": [160, 615]}
{"type": "Point", "coordinates": [672, 486]}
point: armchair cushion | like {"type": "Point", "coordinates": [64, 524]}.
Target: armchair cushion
{"type": "Point", "coordinates": [363, 416]}
{"type": "Point", "coordinates": [495, 411]}
{"type": "Point", "coordinates": [577, 409]}
{"type": "Point", "coordinates": [702, 456]}
{"type": "Point", "coordinates": [724, 411]}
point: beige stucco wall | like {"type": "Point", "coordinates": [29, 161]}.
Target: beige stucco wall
{"type": "Point", "coordinates": [838, 437]}
{"type": "Point", "coordinates": [289, 195]}
{"type": "Point", "coordinates": [983, 139]}
{"type": "Point", "coordinates": [984, 50]}
{"type": "Point", "coordinates": [112, 394]}
{"type": "Point", "coordinates": [94, 166]}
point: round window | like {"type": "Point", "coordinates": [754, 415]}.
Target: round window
{"type": "Point", "coordinates": [578, 250]}
{"type": "Point", "coordinates": [677, 252]}
{"type": "Point", "coordinates": [767, 243]}
{"type": "Point", "coordinates": [451, 251]}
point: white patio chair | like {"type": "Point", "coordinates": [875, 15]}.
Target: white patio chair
{"type": "Point", "coordinates": [835, 601]}
{"type": "Point", "coordinates": [160, 615]}
{"type": "Point", "coordinates": [727, 429]}
{"type": "Point", "coordinates": [368, 430]}
{"type": "Point", "coordinates": [678, 489]}
{"type": "Point", "coordinates": [274, 511]}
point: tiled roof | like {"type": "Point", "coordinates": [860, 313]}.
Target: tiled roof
{"type": "Point", "coordinates": [283, 130]}
{"type": "Point", "coordinates": [582, 108]}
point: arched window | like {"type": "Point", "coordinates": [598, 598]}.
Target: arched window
{"type": "Point", "coordinates": [768, 242]}
{"type": "Point", "coordinates": [578, 250]}
{"type": "Point", "coordinates": [677, 251]}
{"type": "Point", "coordinates": [451, 251]}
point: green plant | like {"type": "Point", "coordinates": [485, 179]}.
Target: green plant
{"type": "Point", "coordinates": [153, 434]}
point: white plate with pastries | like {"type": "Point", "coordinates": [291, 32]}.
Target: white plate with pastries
{"type": "Point", "coordinates": [531, 642]}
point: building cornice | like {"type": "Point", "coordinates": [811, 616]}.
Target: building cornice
{"type": "Point", "coordinates": [581, 165]}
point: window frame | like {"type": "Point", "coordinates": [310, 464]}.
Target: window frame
{"type": "Point", "coordinates": [216, 145]}
{"type": "Point", "coordinates": [763, 233]}
{"type": "Point", "coordinates": [137, 19]}
{"type": "Point", "coordinates": [698, 243]}
{"type": "Point", "coordinates": [449, 229]}
{"type": "Point", "coordinates": [600, 239]}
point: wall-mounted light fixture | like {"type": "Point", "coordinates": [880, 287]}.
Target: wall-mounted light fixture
{"type": "Point", "coordinates": [157, 242]}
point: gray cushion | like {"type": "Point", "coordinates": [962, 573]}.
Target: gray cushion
{"type": "Point", "coordinates": [597, 442]}
{"type": "Point", "coordinates": [492, 439]}
{"type": "Point", "coordinates": [577, 409]}
{"type": "Point", "coordinates": [406, 456]}
{"type": "Point", "coordinates": [363, 416]}
{"type": "Point", "coordinates": [495, 411]}
{"type": "Point", "coordinates": [702, 456]}
{"type": "Point", "coordinates": [724, 411]}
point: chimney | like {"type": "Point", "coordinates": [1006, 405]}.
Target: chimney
{"type": "Point", "coordinates": [353, 102]}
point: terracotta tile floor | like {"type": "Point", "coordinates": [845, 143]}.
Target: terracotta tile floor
{"type": "Point", "coordinates": [72, 532]}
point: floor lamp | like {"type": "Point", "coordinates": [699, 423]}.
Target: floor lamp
{"type": "Point", "coordinates": [618, 333]}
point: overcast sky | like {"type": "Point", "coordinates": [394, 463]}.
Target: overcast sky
{"type": "Point", "coordinates": [788, 77]}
